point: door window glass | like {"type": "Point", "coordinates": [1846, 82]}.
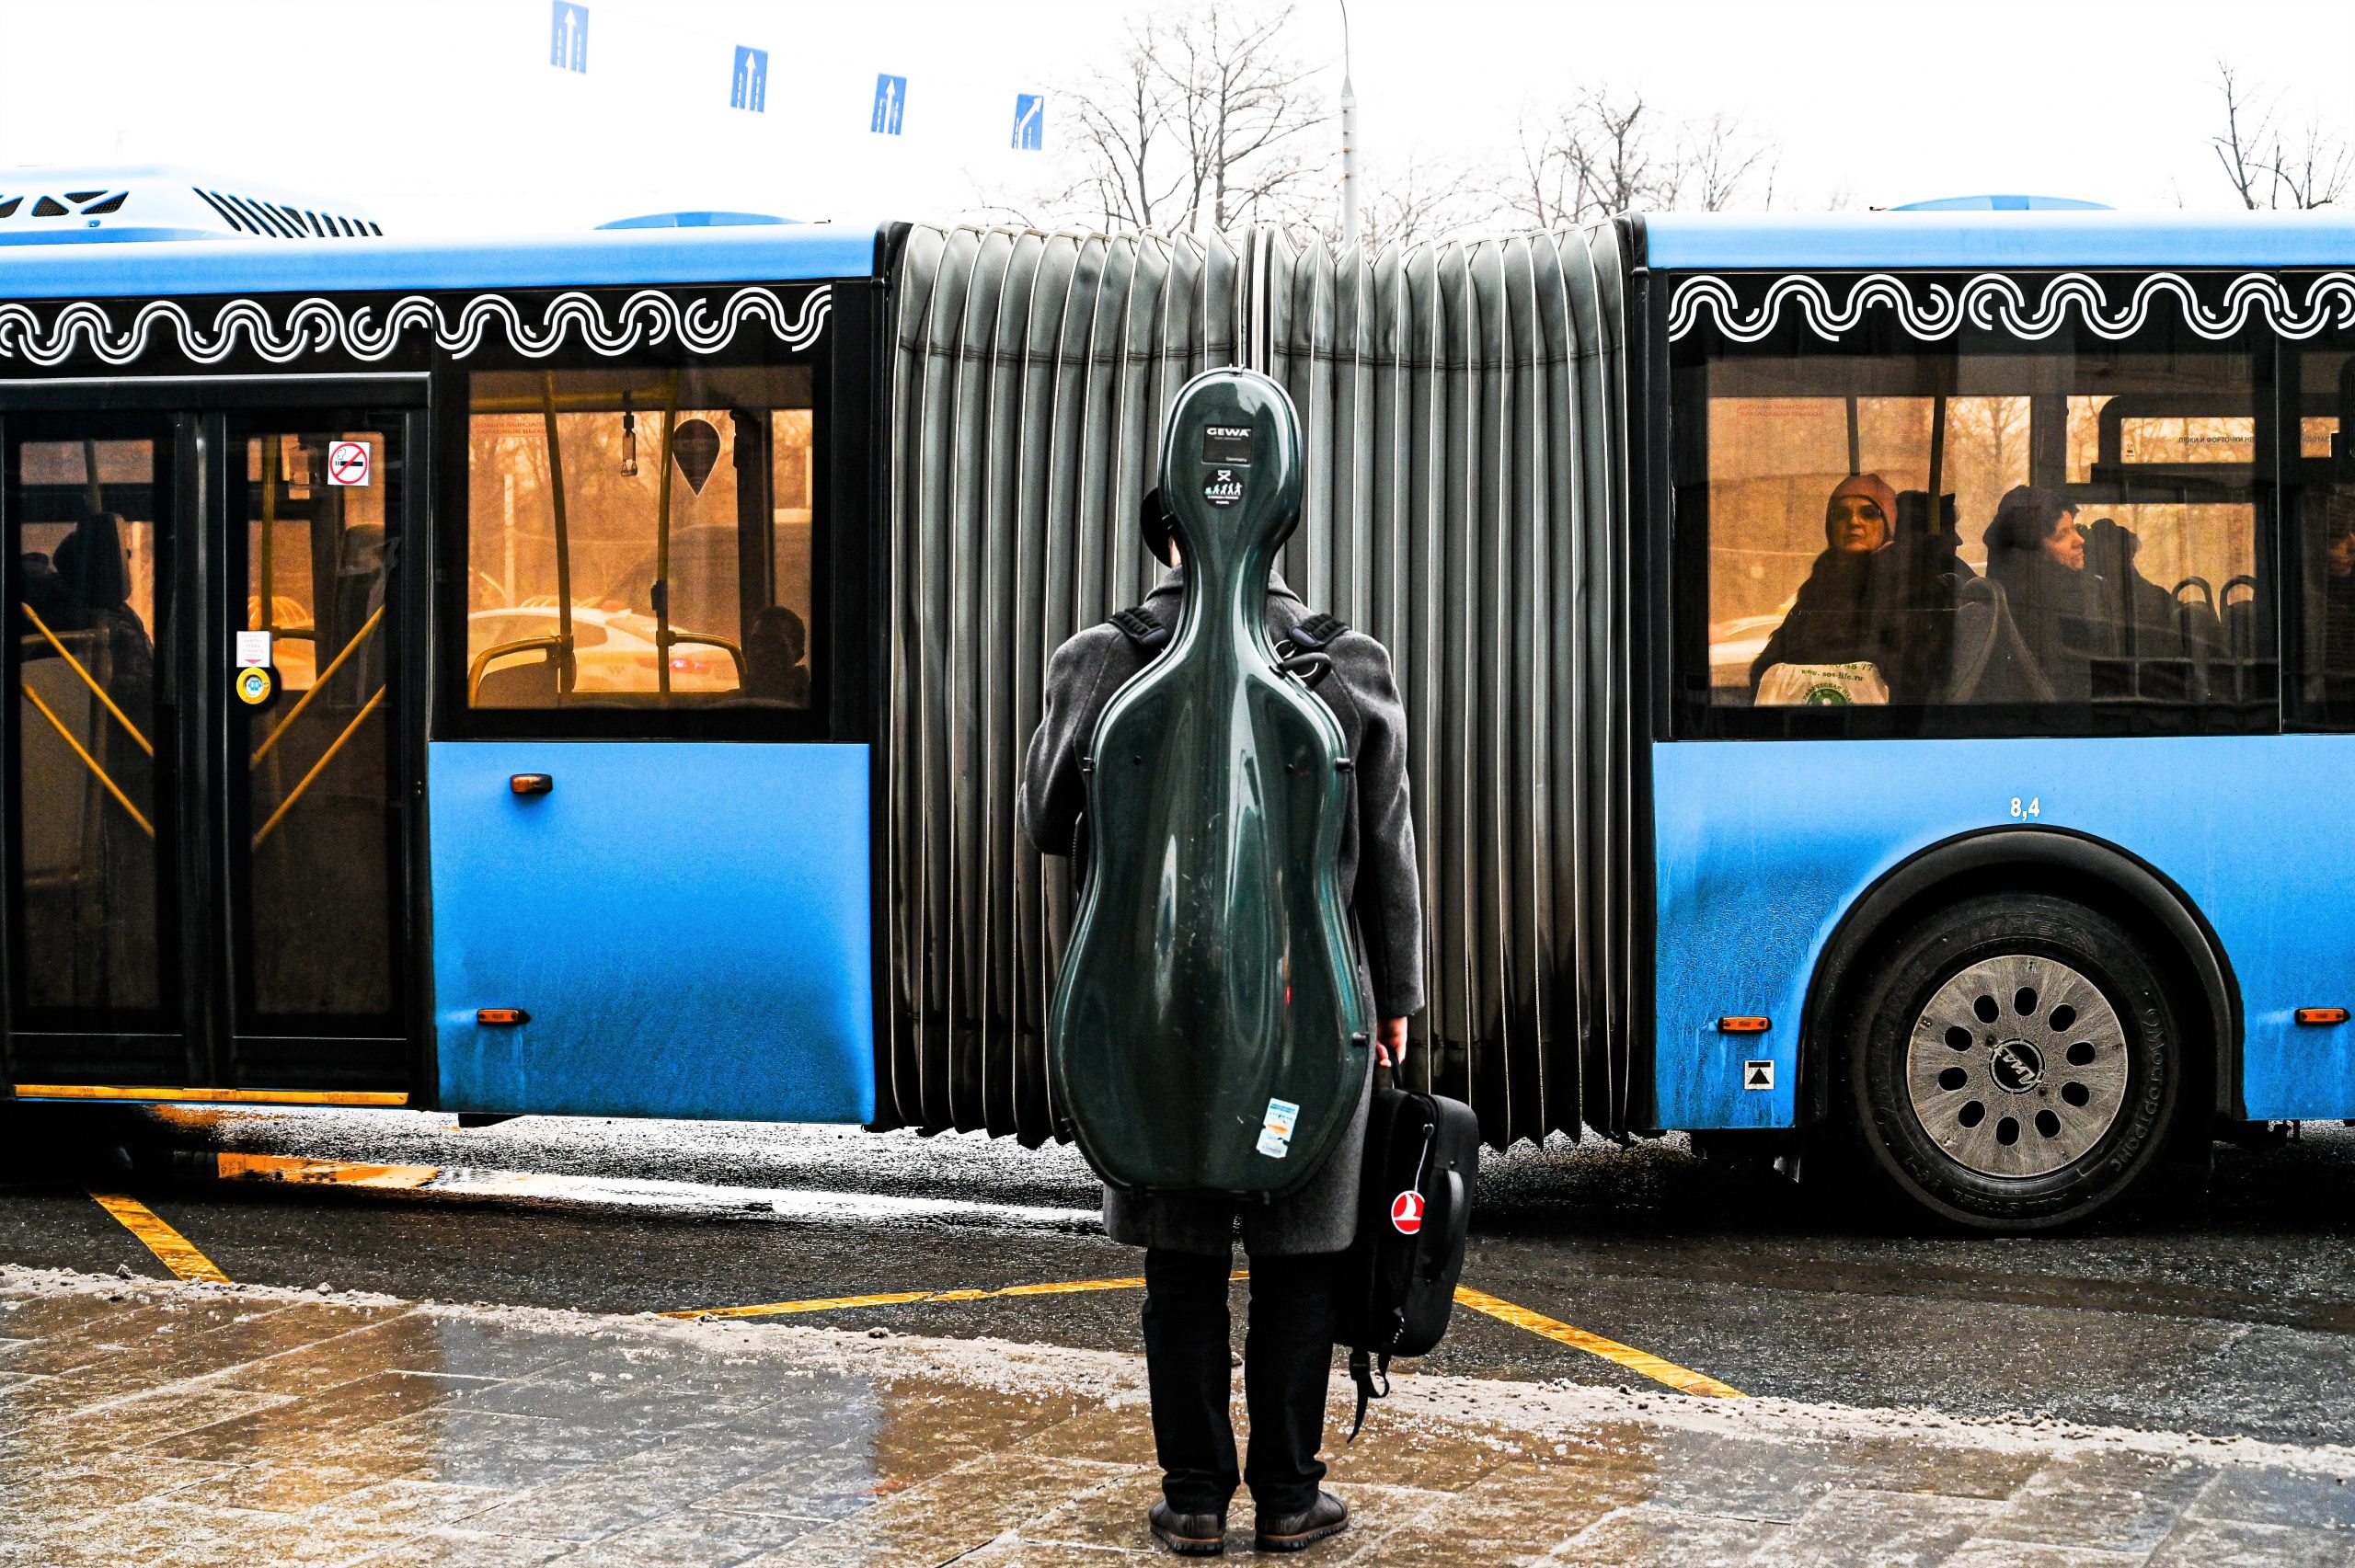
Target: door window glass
{"type": "Point", "coordinates": [640, 538]}
{"type": "Point", "coordinates": [87, 877]}
{"type": "Point", "coordinates": [317, 905]}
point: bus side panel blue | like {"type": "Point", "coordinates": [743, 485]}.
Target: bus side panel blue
{"type": "Point", "coordinates": [688, 926]}
{"type": "Point", "coordinates": [1763, 845]}
{"type": "Point", "coordinates": [1816, 242]}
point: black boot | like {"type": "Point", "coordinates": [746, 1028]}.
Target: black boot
{"type": "Point", "coordinates": [1188, 1535]}
{"type": "Point", "coordinates": [1290, 1533]}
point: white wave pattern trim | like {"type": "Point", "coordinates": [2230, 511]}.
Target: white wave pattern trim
{"type": "Point", "coordinates": [317, 325]}
{"type": "Point", "coordinates": [1995, 302]}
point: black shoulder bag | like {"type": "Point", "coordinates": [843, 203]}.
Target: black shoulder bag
{"type": "Point", "coordinates": [1397, 1282]}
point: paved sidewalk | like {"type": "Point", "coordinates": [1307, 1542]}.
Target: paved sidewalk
{"type": "Point", "coordinates": [192, 1424]}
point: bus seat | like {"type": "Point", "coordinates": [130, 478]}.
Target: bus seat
{"type": "Point", "coordinates": [1992, 662]}
{"type": "Point", "coordinates": [2240, 618]}
{"type": "Point", "coordinates": [527, 684]}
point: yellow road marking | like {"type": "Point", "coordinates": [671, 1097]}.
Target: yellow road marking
{"type": "Point", "coordinates": [901, 1298]}
{"type": "Point", "coordinates": [208, 1096]}
{"type": "Point", "coordinates": [167, 1244]}
{"type": "Point", "coordinates": [281, 1168]}
{"type": "Point", "coordinates": [1626, 1356]}
{"type": "Point", "coordinates": [189, 1264]}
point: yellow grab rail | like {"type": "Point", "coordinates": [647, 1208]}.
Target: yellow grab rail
{"type": "Point", "coordinates": [87, 679]}
{"type": "Point", "coordinates": [481, 665]}
{"type": "Point", "coordinates": [87, 760]}
{"type": "Point", "coordinates": [318, 767]}
{"type": "Point", "coordinates": [672, 639]}
{"type": "Point", "coordinates": [318, 684]}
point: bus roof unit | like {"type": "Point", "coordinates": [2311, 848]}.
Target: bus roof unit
{"type": "Point", "coordinates": [100, 204]}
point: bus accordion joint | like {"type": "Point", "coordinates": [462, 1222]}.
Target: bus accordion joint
{"type": "Point", "coordinates": [531, 784]}
{"type": "Point", "coordinates": [2322, 1015]}
{"type": "Point", "coordinates": [501, 1015]}
{"type": "Point", "coordinates": [1743, 1025]}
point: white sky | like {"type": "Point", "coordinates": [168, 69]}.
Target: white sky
{"type": "Point", "coordinates": [446, 115]}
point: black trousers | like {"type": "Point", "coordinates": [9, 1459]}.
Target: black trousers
{"type": "Point", "coordinates": [1287, 1356]}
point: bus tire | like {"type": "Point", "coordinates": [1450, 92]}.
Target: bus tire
{"type": "Point", "coordinates": [2014, 1066]}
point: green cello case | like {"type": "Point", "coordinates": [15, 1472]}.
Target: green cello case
{"type": "Point", "coordinates": [1208, 1032]}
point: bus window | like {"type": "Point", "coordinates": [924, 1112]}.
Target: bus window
{"type": "Point", "coordinates": [640, 538]}
{"type": "Point", "coordinates": [2323, 546]}
{"type": "Point", "coordinates": [2091, 560]}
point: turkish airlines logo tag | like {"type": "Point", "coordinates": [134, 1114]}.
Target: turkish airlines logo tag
{"type": "Point", "coordinates": [1406, 1212]}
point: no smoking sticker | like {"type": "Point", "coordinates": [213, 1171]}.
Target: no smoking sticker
{"type": "Point", "coordinates": [350, 462]}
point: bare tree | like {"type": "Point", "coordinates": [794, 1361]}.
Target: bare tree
{"type": "Point", "coordinates": [1416, 198]}
{"type": "Point", "coordinates": [1605, 152]}
{"type": "Point", "coordinates": [1244, 104]}
{"type": "Point", "coordinates": [1717, 163]}
{"type": "Point", "coordinates": [2269, 166]}
{"type": "Point", "coordinates": [1126, 134]}
{"type": "Point", "coordinates": [1205, 121]}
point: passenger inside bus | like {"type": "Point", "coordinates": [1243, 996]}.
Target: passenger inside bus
{"type": "Point", "coordinates": [91, 585]}
{"type": "Point", "coordinates": [2146, 614]}
{"type": "Point", "coordinates": [2036, 557]}
{"type": "Point", "coordinates": [1839, 617]}
{"type": "Point", "coordinates": [2338, 609]}
{"type": "Point", "coordinates": [773, 670]}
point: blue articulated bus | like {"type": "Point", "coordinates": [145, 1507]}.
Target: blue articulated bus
{"type": "Point", "coordinates": [1872, 678]}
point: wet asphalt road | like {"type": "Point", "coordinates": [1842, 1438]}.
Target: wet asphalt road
{"type": "Point", "coordinates": [2229, 1310]}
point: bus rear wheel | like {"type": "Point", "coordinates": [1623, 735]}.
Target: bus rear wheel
{"type": "Point", "coordinates": [2014, 1066]}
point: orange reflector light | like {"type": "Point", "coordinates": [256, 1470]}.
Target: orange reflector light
{"type": "Point", "coordinates": [501, 1015]}
{"type": "Point", "coordinates": [1745, 1026]}
{"type": "Point", "coordinates": [2322, 1015]}
{"type": "Point", "coordinates": [531, 784]}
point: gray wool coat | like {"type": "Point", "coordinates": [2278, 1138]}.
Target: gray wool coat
{"type": "Point", "coordinates": [1379, 882]}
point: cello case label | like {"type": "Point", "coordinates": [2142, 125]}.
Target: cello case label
{"type": "Point", "coordinates": [1275, 1133]}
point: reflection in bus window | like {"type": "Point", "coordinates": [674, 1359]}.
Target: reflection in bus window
{"type": "Point", "coordinates": [2326, 542]}
{"type": "Point", "coordinates": [640, 538]}
{"type": "Point", "coordinates": [2093, 539]}
{"type": "Point", "coordinates": [86, 885]}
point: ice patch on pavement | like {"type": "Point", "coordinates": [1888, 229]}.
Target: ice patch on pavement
{"type": "Point", "coordinates": [1492, 1409]}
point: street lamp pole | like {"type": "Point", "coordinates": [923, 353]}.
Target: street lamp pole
{"type": "Point", "coordinates": [1349, 137]}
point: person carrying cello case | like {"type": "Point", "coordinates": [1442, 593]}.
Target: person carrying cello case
{"type": "Point", "coordinates": [1229, 773]}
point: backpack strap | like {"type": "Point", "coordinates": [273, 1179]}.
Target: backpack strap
{"type": "Point", "coordinates": [1361, 1373]}
{"type": "Point", "coordinates": [1148, 635]}
{"type": "Point", "coordinates": [1319, 630]}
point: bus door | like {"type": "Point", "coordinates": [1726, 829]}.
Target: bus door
{"type": "Point", "coordinates": [208, 802]}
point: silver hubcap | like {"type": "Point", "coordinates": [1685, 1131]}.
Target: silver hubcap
{"type": "Point", "coordinates": [2016, 1067]}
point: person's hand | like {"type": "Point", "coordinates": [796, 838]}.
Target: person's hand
{"type": "Point", "coordinates": [1390, 1042]}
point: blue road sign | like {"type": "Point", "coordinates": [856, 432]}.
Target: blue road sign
{"type": "Point", "coordinates": [1029, 121]}
{"type": "Point", "coordinates": [569, 36]}
{"type": "Point", "coordinates": [750, 88]}
{"type": "Point", "coordinates": [891, 105]}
